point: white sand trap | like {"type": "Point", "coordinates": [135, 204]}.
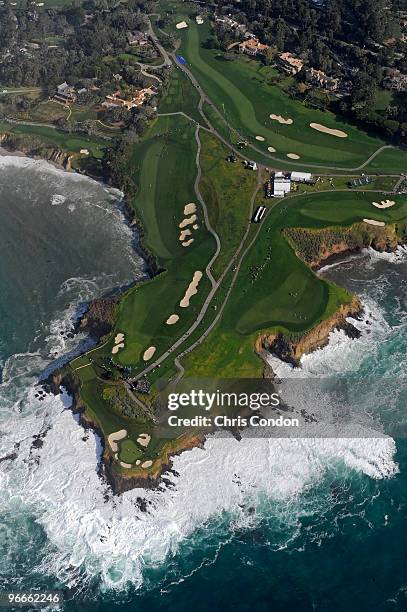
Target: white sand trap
{"type": "Point", "coordinates": [187, 221]}
{"type": "Point", "coordinates": [271, 149]}
{"type": "Point", "coordinates": [115, 437]}
{"type": "Point", "coordinates": [293, 156]}
{"type": "Point", "coordinates": [327, 130]}
{"type": "Point", "coordinates": [188, 242]}
{"type": "Point", "coordinates": [144, 439]}
{"type": "Point", "coordinates": [281, 119]}
{"type": "Point", "coordinates": [138, 462]}
{"type": "Point", "coordinates": [190, 208]}
{"type": "Point", "coordinates": [181, 25]}
{"type": "Point", "coordinates": [195, 226]}
{"type": "Point", "coordinates": [125, 465]}
{"type": "Point", "coordinates": [260, 138]}
{"type": "Point", "coordinates": [119, 338]}
{"type": "Point", "coordinates": [148, 353]}
{"type": "Point", "coordinates": [184, 234]}
{"type": "Point", "coordinates": [117, 348]}
{"type": "Point", "coordinates": [192, 289]}
{"type": "Point", "coordinates": [384, 204]}
{"type": "Point", "coordinates": [174, 318]}
{"type": "Point", "coordinates": [373, 222]}
{"type": "Point", "coordinates": [147, 464]}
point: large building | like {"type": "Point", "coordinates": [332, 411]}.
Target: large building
{"type": "Point", "coordinates": [290, 63]}
{"type": "Point", "coordinates": [252, 47]}
{"type": "Point", "coordinates": [301, 177]}
{"type": "Point", "coordinates": [65, 94]}
{"type": "Point", "coordinates": [321, 80]}
{"type": "Point", "coordinates": [281, 185]}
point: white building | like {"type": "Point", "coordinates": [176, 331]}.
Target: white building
{"type": "Point", "coordinates": [301, 177]}
{"type": "Point", "coordinates": [281, 185]}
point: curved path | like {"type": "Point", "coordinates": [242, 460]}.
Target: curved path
{"type": "Point", "coordinates": [205, 98]}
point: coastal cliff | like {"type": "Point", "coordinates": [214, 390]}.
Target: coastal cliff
{"type": "Point", "coordinates": [35, 147]}
{"type": "Point", "coordinates": [291, 348]}
{"type": "Point", "coordinates": [317, 247]}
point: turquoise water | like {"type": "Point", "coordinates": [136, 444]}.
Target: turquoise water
{"type": "Point", "coordinates": [253, 525]}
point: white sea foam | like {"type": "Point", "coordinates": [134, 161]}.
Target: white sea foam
{"type": "Point", "coordinates": [114, 539]}
{"type": "Point", "coordinates": [57, 199]}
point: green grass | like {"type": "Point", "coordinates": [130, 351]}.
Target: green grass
{"type": "Point", "coordinates": [50, 137]}
{"type": "Point", "coordinates": [227, 189]}
{"type": "Point", "coordinates": [286, 295]}
{"type": "Point", "coordinates": [240, 91]}
{"type": "Point", "coordinates": [181, 96]}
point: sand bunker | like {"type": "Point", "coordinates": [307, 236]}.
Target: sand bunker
{"type": "Point", "coordinates": [188, 242]}
{"type": "Point", "coordinates": [384, 204]}
{"type": "Point", "coordinates": [181, 25]}
{"type": "Point", "coordinates": [119, 338]}
{"type": "Point", "coordinates": [184, 234]}
{"type": "Point", "coordinates": [172, 319]}
{"type": "Point", "coordinates": [271, 149]}
{"type": "Point", "coordinates": [125, 465]}
{"type": "Point", "coordinates": [115, 437]}
{"type": "Point", "coordinates": [327, 130]}
{"type": "Point", "coordinates": [281, 119]}
{"type": "Point", "coordinates": [192, 289]}
{"type": "Point", "coordinates": [260, 138]}
{"type": "Point", "coordinates": [190, 208]}
{"type": "Point", "coordinates": [187, 221]}
{"type": "Point", "coordinates": [195, 226]}
{"type": "Point", "coordinates": [144, 439]}
{"type": "Point", "coordinates": [373, 222]}
{"type": "Point", "coordinates": [148, 353]}
{"type": "Point", "coordinates": [147, 464]}
{"type": "Point", "coordinates": [117, 348]}
{"type": "Point", "coordinates": [293, 156]}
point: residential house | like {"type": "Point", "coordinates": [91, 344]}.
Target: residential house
{"type": "Point", "coordinates": [137, 38]}
{"type": "Point", "coordinates": [65, 94]}
{"type": "Point", "coordinates": [395, 80]}
{"type": "Point", "coordinates": [252, 47]}
{"type": "Point", "coordinates": [138, 98]}
{"type": "Point", "coordinates": [318, 78]}
{"type": "Point", "coordinates": [289, 62]}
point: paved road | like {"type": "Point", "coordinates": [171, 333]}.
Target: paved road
{"type": "Point", "coordinates": [205, 98]}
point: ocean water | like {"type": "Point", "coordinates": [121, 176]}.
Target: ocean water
{"type": "Point", "coordinates": [290, 524]}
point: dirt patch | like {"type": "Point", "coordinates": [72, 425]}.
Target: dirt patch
{"type": "Point", "coordinates": [117, 348]}
{"type": "Point", "coordinates": [184, 234]}
{"type": "Point", "coordinates": [281, 119]}
{"type": "Point", "coordinates": [174, 318]}
{"type": "Point", "coordinates": [190, 208]}
{"type": "Point", "coordinates": [115, 437]}
{"type": "Point", "coordinates": [192, 289]}
{"type": "Point", "coordinates": [373, 222]}
{"type": "Point", "coordinates": [148, 353]}
{"type": "Point", "coordinates": [187, 221]}
{"type": "Point", "coordinates": [384, 204]}
{"type": "Point", "coordinates": [327, 130]}
{"type": "Point", "coordinates": [144, 439]}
